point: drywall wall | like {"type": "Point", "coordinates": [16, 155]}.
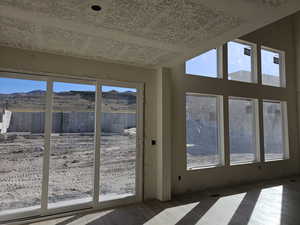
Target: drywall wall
{"type": "Point", "coordinates": [164, 137]}
{"type": "Point", "coordinates": [30, 61]}
{"type": "Point", "coordinates": [296, 20]}
{"type": "Point", "coordinates": [278, 36]}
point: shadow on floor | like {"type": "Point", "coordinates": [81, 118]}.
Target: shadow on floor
{"type": "Point", "coordinates": [276, 202]}
{"type": "Point", "coordinates": [243, 213]}
{"type": "Point", "coordinates": [290, 203]}
{"type": "Point", "coordinates": [143, 213]}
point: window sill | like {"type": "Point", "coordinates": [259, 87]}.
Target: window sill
{"type": "Point", "coordinates": [203, 76]}
{"type": "Point", "coordinates": [243, 163]}
{"type": "Point", "coordinates": [204, 167]}
{"type": "Point", "coordinates": [276, 160]}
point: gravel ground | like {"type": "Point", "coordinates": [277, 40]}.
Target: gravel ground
{"type": "Point", "coordinates": [71, 168]}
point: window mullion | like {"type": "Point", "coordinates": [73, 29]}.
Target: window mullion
{"type": "Point", "coordinates": [46, 158]}
{"type": "Point", "coordinates": [226, 130]}
{"type": "Point", "coordinates": [257, 131]}
{"type": "Point", "coordinates": [224, 62]}
{"type": "Point", "coordinates": [282, 75]}
{"type": "Point", "coordinates": [220, 62]}
{"type": "Point", "coordinates": [261, 130]}
{"type": "Point", "coordinates": [97, 144]}
{"type": "Point", "coordinates": [285, 130]}
{"type": "Point", "coordinates": [258, 63]}
{"type": "Point", "coordinates": [220, 111]}
{"type": "Point", "coordinates": [255, 58]}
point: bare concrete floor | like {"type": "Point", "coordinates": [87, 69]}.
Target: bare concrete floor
{"type": "Point", "coordinates": [273, 202]}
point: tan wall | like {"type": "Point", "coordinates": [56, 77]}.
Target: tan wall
{"type": "Point", "coordinates": [278, 36]}
{"type": "Point", "coordinates": [296, 20]}
{"type": "Point", "coordinates": [21, 60]}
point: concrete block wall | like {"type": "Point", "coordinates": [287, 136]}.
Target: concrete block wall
{"type": "Point", "coordinates": [71, 122]}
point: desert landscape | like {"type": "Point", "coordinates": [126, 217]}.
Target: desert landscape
{"type": "Point", "coordinates": [72, 148]}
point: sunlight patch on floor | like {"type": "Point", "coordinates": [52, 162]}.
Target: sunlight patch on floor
{"type": "Point", "coordinates": [222, 211]}
{"type": "Point", "coordinates": [172, 215]}
{"type": "Point", "coordinates": [268, 207]}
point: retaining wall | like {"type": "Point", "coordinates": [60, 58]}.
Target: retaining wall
{"type": "Point", "coordinates": [70, 122]}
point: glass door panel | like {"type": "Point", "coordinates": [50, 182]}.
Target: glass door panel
{"type": "Point", "coordinates": [118, 151]}
{"type": "Point", "coordinates": [22, 118]}
{"type": "Point", "coordinates": [72, 144]}
{"type": "Point", "coordinates": [68, 112]}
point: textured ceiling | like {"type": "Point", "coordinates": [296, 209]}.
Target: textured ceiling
{"type": "Point", "coordinates": [142, 32]}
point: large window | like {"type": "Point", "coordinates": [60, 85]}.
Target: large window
{"type": "Point", "coordinates": [243, 130]}
{"type": "Point", "coordinates": [68, 144]}
{"type": "Point", "coordinates": [275, 130]}
{"type": "Point", "coordinates": [272, 67]}
{"type": "Point", "coordinates": [255, 130]}
{"type": "Point", "coordinates": [240, 62]}
{"type": "Point", "coordinates": [202, 131]}
{"type": "Point", "coordinates": [205, 64]}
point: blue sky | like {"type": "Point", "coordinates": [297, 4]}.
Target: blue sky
{"type": "Point", "coordinates": [11, 85]}
{"type": "Point", "coordinates": [206, 64]}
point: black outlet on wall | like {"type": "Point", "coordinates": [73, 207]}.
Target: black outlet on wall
{"type": "Point", "coordinates": [153, 142]}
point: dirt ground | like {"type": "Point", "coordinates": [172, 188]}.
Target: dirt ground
{"type": "Point", "coordinates": [71, 168]}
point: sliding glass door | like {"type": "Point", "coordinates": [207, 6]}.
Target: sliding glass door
{"type": "Point", "coordinates": [118, 143]}
{"type": "Point", "coordinates": [72, 144]}
{"type": "Point", "coordinates": [68, 144]}
{"type": "Point", "coordinates": [22, 118]}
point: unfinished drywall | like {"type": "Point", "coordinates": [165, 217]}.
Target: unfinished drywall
{"type": "Point", "coordinates": [296, 23]}
{"type": "Point", "coordinates": [164, 137]}
{"type": "Point", "coordinates": [278, 36]}
{"type": "Point", "coordinates": [35, 62]}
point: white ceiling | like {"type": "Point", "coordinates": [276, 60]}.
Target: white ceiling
{"type": "Point", "coordinates": [142, 32]}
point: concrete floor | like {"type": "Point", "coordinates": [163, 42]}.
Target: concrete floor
{"type": "Point", "coordinates": [273, 202]}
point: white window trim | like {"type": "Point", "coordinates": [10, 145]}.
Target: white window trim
{"type": "Point", "coordinates": [220, 122]}
{"type": "Point", "coordinates": [253, 90]}
{"type": "Point", "coordinates": [285, 136]}
{"type": "Point", "coordinates": [254, 72]}
{"type": "Point", "coordinates": [219, 61]}
{"type": "Point", "coordinates": [256, 130]}
{"type": "Point", "coordinates": [282, 72]}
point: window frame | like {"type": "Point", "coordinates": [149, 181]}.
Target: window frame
{"type": "Point", "coordinates": [240, 89]}
{"type": "Point", "coordinates": [43, 209]}
{"type": "Point", "coordinates": [282, 71]}
{"type": "Point", "coordinates": [254, 63]}
{"type": "Point", "coordinates": [285, 136]}
{"type": "Point", "coordinates": [256, 130]}
{"type": "Point", "coordinates": [220, 130]}
{"type": "Point", "coordinates": [219, 62]}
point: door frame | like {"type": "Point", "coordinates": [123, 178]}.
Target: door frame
{"type": "Point", "coordinates": [42, 210]}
